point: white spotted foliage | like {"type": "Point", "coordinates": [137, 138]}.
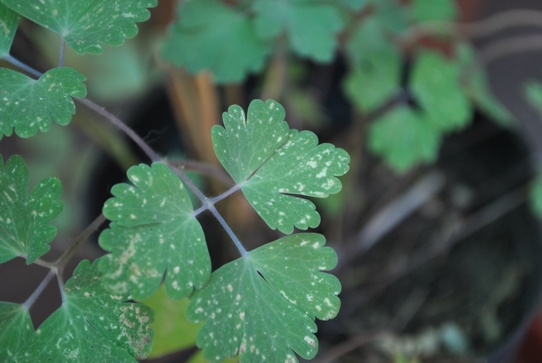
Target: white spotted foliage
{"type": "Point", "coordinates": [274, 165]}
{"type": "Point", "coordinates": [25, 229]}
{"type": "Point", "coordinates": [28, 105]}
{"type": "Point", "coordinates": [153, 230]}
{"type": "Point", "coordinates": [262, 307]}
{"type": "Point", "coordinates": [15, 329]}
{"type": "Point", "coordinates": [9, 22]}
{"type": "Point", "coordinates": [91, 325]}
{"type": "Point", "coordinates": [86, 25]}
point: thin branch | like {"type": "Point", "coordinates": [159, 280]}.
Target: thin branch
{"type": "Point", "coordinates": [62, 53]}
{"type": "Point", "coordinates": [397, 211]}
{"type": "Point", "coordinates": [208, 203]}
{"type": "Point", "coordinates": [510, 46]}
{"type": "Point", "coordinates": [476, 29]}
{"type": "Point", "coordinates": [43, 284]}
{"type": "Point", "coordinates": [501, 21]}
{"type": "Point", "coordinates": [81, 239]}
{"type": "Point", "coordinates": [151, 154]}
{"type": "Point", "coordinates": [23, 66]}
{"type": "Point", "coordinates": [201, 168]}
{"type": "Point", "coordinates": [228, 230]}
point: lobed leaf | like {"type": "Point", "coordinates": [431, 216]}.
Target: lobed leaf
{"type": "Point", "coordinates": [429, 10]}
{"type": "Point", "coordinates": [376, 72]}
{"type": "Point", "coordinates": [404, 138]}
{"type": "Point", "coordinates": [210, 35]}
{"type": "Point", "coordinates": [153, 231]}
{"type": "Point", "coordinates": [262, 307]}
{"type": "Point", "coordinates": [15, 329]}
{"type": "Point", "coordinates": [86, 25]}
{"type": "Point", "coordinates": [435, 85]}
{"type": "Point", "coordinates": [91, 325]}
{"type": "Point", "coordinates": [273, 165]}
{"type": "Point", "coordinates": [28, 105]}
{"type": "Point", "coordinates": [9, 22]}
{"type": "Point", "coordinates": [25, 230]}
{"type": "Point", "coordinates": [311, 27]}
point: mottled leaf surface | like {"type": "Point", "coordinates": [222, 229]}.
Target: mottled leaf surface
{"type": "Point", "coordinates": [404, 138]}
{"type": "Point", "coordinates": [9, 21]}
{"type": "Point", "coordinates": [28, 105]}
{"type": "Point", "coordinates": [15, 329]}
{"type": "Point", "coordinates": [153, 232]}
{"type": "Point", "coordinates": [274, 165]}
{"type": "Point", "coordinates": [262, 307]}
{"type": "Point", "coordinates": [210, 35]}
{"type": "Point", "coordinates": [311, 27]}
{"type": "Point", "coordinates": [86, 25]}
{"type": "Point", "coordinates": [25, 228]}
{"type": "Point", "coordinates": [91, 325]}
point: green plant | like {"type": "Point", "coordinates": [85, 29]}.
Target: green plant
{"type": "Point", "coordinates": [261, 306]}
{"type": "Point", "coordinates": [411, 79]}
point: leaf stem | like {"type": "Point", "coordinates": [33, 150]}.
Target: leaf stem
{"type": "Point", "coordinates": [61, 262]}
{"type": "Point", "coordinates": [153, 155]}
{"type": "Point", "coordinates": [23, 66]}
{"type": "Point", "coordinates": [201, 168]}
{"type": "Point", "coordinates": [208, 203]}
{"type": "Point", "coordinates": [228, 230]}
{"type": "Point", "coordinates": [61, 53]}
{"type": "Point", "coordinates": [43, 284]}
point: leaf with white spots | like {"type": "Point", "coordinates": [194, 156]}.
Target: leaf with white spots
{"type": "Point", "coordinates": [153, 231]}
{"type": "Point", "coordinates": [9, 22]}
{"type": "Point", "coordinates": [28, 105]}
{"type": "Point", "coordinates": [91, 325]}
{"type": "Point", "coordinates": [15, 329]}
{"type": "Point", "coordinates": [86, 25]}
{"type": "Point", "coordinates": [25, 229]}
{"type": "Point", "coordinates": [262, 307]}
{"type": "Point", "coordinates": [274, 165]}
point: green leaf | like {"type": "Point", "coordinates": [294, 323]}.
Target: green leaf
{"type": "Point", "coordinates": [535, 198]}
{"type": "Point", "coordinates": [9, 21]}
{"type": "Point", "coordinates": [86, 25]}
{"type": "Point", "coordinates": [24, 219]}
{"type": "Point", "coordinates": [354, 4]}
{"type": "Point", "coordinates": [273, 164]}
{"type": "Point", "coordinates": [430, 10]}
{"type": "Point", "coordinates": [477, 86]}
{"type": "Point", "coordinates": [153, 229]}
{"type": "Point", "coordinates": [533, 93]}
{"type": "Point", "coordinates": [435, 85]}
{"type": "Point", "coordinates": [210, 35]}
{"type": "Point", "coordinates": [15, 329]}
{"type": "Point", "coordinates": [91, 325]}
{"type": "Point", "coordinates": [311, 27]}
{"type": "Point", "coordinates": [376, 73]}
{"type": "Point", "coordinates": [263, 306]}
{"type": "Point", "coordinates": [28, 105]}
{"type": "Point", "coordinates": [172, 331]}
{"type": "Point", "coordinates": [404, 138]}
{"type": "Point", "coordinates": [373, 82]}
